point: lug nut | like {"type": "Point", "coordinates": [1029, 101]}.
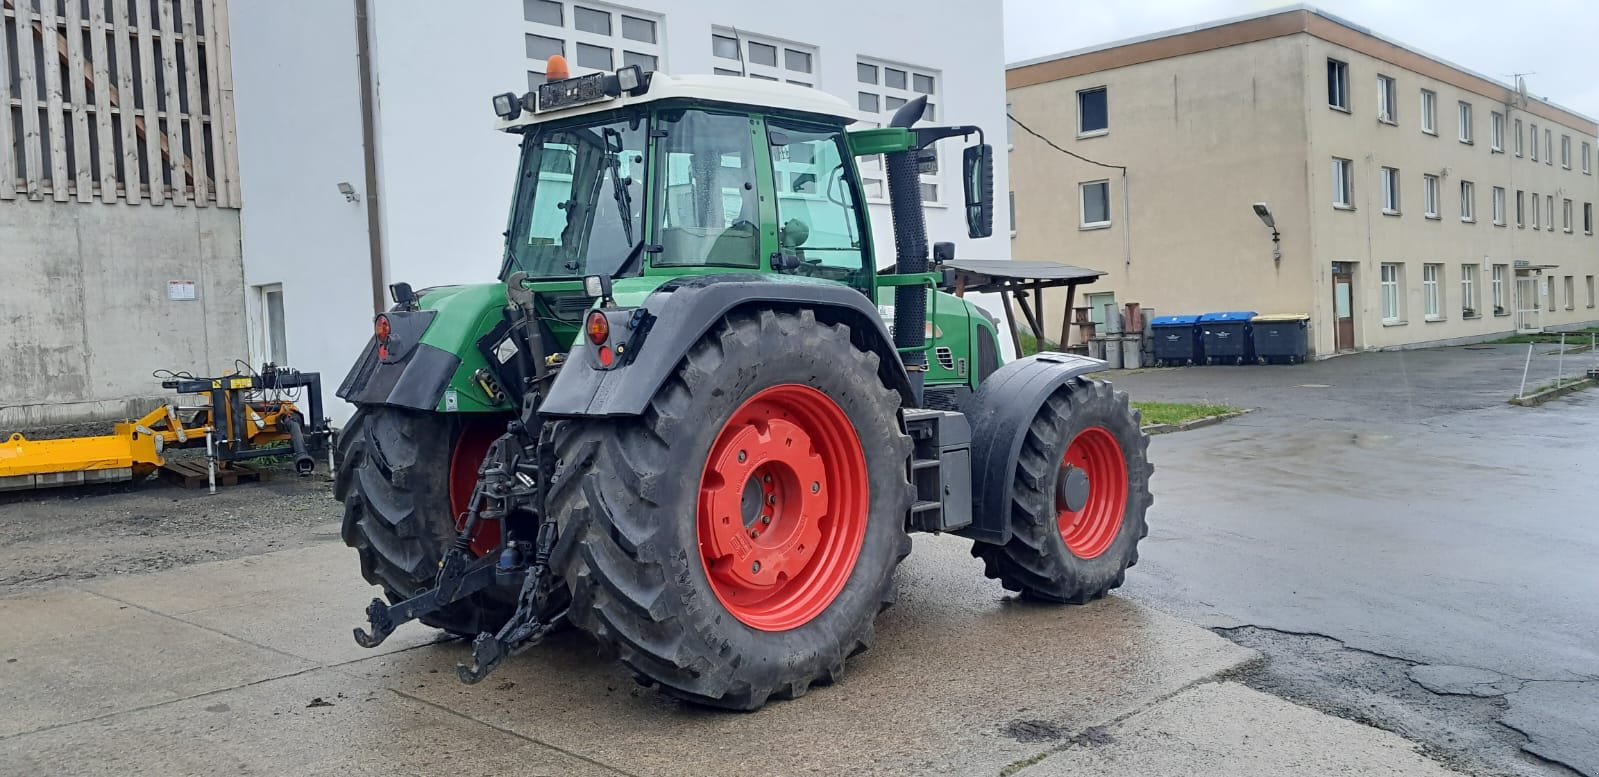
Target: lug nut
{"type": "Point", "coordinates": [756, 567]}
{"type": "Point", "coordinates": [771, 499]}
{"type": "Point", "coordinates": [766, 478]}
{"type": "Point", "coordinates": [816, 487]}
{"type": "Point", "coordinates": [742, 457]}
{"type": "Point", "coordinates": [766, 520]}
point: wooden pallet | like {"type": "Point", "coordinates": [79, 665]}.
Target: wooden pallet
{"type": "Point", "coordinates": [191, 473]}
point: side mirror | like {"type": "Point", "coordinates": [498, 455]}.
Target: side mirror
{"type": "Point", "coordinates": [977, 173]}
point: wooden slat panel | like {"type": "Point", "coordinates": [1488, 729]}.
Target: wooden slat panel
{"type": "Point", "coordinates": [8, 176]}
{"type": "Point", "coordinates": [101, 72]}
{"type": "Point", "coordinates": [123, 42]}
{"type": "Point", "coordinates": [80, 104]}
{"type": "Point", "coordinates": [191, 67]}
{"type": "Point", "coordinates": [49, 45]}
{"type": "Point", "coordinates": [213, 101]}
{"type": "Point", "coordinates": [222, 54]}
{"type": "Point", "coordinates": [32, 160]}
{"type": "Point", "coordinates": [169, 67]}
{"type": "Point", "coordinates": [151, 132]}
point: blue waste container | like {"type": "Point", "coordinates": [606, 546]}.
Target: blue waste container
{"type": "Point", "coordinates": [1281, 339]}
{"type": "Point", "coordinates": [1177, 340]}
{"type": "Point", "coordinates": [1226, 337]}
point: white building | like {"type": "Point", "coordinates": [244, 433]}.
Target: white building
{"type": "Point", "coordinates": [430, 182]}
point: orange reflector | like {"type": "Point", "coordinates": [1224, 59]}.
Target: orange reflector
{"type": "Point", "coordinates": [606, 357]}
{"type": "Point", "coordinates": [598, 328]}
{"type": "Point", "coordinates": [555, 69]}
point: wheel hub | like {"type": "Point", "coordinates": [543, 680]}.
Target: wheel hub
{"type": "Point", "coordinates": [1071, 489]}
{"type": "Point", "coordinates": [782, 507]}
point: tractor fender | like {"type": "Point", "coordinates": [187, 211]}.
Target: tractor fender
{"type": "Point", "coordinates": [684, 311]}
{"type": "Point", "coordinates": [999, 414]}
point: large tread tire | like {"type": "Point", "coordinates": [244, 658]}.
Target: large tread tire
{"type": "Point", "coordinates": [1036, 561]}
{"type": "Point", "coordinates": [393, 478]}
{"type": "Point", "coordinates": [626, 497]}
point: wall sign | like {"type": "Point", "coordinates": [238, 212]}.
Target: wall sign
{"type": "Point", "coordinates": [181, 291]}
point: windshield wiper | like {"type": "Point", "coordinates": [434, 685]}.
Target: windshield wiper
{"type": "Point", "coordinates": [624, 199]}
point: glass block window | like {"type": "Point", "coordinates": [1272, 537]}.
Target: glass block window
{"type": "Point", "coordinates": [881, 88]}
{"type": "Point", "coordinates": [763, 59]}
{"type": "Point", "coordinates": [592, 37]}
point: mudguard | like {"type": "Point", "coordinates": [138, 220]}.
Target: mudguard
{"type": "Point", "coordinates": [999, 414]}
{"type": "Point", "coordinates": [413, 374]}
{"type": "Point", "coordinates": [687, 308]}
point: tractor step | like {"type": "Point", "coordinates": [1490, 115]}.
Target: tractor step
{"type": "Point", "coordinates": [941, 470]}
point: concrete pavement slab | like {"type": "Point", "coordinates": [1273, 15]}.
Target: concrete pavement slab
{"type": "Point", "coordinates": [302, 602]}
{"type": "Point", "coordinates": [68, 656]}
{"type": "Point", "coordinates": [1228, 729]}
{"type": "Point", "coordinates": [957, 664]}
{"type": "Point", "coordinates": [268, 729]}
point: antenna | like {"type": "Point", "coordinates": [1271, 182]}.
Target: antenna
{"type": "Point", "coordinates": [739, 41]}
{"type": "Point", "coordinates": [1521, 86]}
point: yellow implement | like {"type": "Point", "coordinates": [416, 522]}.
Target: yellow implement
{"type": "Point", "coordinates": [132, 448]}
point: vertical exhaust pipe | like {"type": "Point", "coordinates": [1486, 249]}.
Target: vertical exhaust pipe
{"type": "Point", "coordinates": [910, 247]}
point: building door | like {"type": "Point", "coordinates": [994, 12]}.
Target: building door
{"type": "Point", "coordinates": [1343, 309]}
{"type": "Point", "coordinates": [1527, 313]}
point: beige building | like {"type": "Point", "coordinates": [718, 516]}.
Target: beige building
{"type": "Point", "coordinates": [1417, 202]}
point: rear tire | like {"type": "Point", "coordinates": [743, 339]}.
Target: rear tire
{"type": "Point", "coordinates": [1060, 555]}
{"type": "Point", "coordinates": [394, 470]}
{"type": "Point", "coordinates": [639, 502]}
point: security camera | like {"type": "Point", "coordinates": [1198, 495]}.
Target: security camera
{"type": "Point", "coordinates": [349, 192]}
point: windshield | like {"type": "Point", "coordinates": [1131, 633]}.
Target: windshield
{"type": "Point", "coordinates": [579, 204]}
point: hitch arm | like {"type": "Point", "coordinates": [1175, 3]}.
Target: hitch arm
{"type": "Point", "coordinates": [456, 582]}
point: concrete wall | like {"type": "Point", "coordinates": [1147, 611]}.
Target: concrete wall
{"type": "Point", "coordinates": [1203, 137]}
{"type": "Point", "coordinates": [299, 117]}
{"type": "Point", "coordinates": [84, 311]}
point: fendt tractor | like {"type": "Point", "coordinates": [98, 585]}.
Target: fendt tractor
{"type": "Point", "coordinates": [695, 420]}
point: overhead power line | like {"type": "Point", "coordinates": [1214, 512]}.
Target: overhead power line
{"type": "Point", "coordinates": [1057, 147]}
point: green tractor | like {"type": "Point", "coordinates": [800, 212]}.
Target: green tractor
{"type": "Point", "coordinates": [694, 419]}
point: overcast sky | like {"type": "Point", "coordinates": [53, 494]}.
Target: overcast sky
{"type": "Point", "coordinates": [1556, 39]}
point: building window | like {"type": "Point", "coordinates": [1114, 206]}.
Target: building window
{"type": "Point", "coordinates": [882, 88]}
{"type": "Point", "coordinates": [764, 59]}
{"type": "Point", "coordinates": [1496, 132]}
{"type": "Point", "coordinates": [1590, 291]}
{"type": "Point", "coordinates": [1551, 292]}
{"type": "Point", "coordinates": [1387, 110]}
{"type": "Point", "coordinates": [1587, 169]}
{"type": "Point", "coordinates": [1500, 271]}
{"type": "Point", "coordinates": [1587, 218]}
{"type": "Point", "coordinates": [1095, 199]}
{"type": "Point", "coordinates": [1548, 146]}
{"type": "Point", "coordinates": [1431, 297]}
{"type": "Point", "coordinates": [1468, 291]}
{"type": "Point", "coordinates": [1534, 129]}
{"type": "Point", "coordinates": [1517, 128]}
{"type": "Point", "coordinates": [1571, 292]}
{"type": "Point", "coordinates": [591, 36]}
{"type": "Point", "coordinates": [1499, 206]}
{"type": "Point", "coordinates": [1338, 85]}
{"type": "Point", "coordinates": [1429, 112]}
{"type": "Point", "coordinates": [1429, 196]}
{"type": "Point", "coordinates": [1093, 116]}
{"type": "Point", "coordinates": [1013, 214]}
{"type": "Point", "coordinates": [1549, 212]}
{"type": "Point", "coordinates": [1468, 201]}
{"type": "Point", "coordinates": [1465, 122]}
{"type": "Point", "coordinates": [1390, 293]}
{"type": "Point", "coordinates": [1390, 191]}
{"type": "Point", "coordinates": [1565, 215]}
{"type": "Point", "coordinates": [1521, 209]}
{"type": "Point", "coordinates": [1565, 151]}
{"type": "Point", "coordinates": [277, 341]}
{"type": "Point", "coordinates": [1537, 222]}
{"type": "Point", "coordinates": [1343, 173]}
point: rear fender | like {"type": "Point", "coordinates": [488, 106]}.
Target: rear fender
{"type": "Point", "coordinates": [433, 354]}
{"type": "Point", "coordinates": [684, 311]}
{"type": "Point", "coordinates": [999, 414]}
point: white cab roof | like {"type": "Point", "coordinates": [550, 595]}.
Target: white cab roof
{"type": "Point", "coordinates": [722, 89]}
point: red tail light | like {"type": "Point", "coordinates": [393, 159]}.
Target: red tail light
{"type": "Point", "coordinates": [381, 329]}
{"type": "Point", "coordinates": [598, 328]}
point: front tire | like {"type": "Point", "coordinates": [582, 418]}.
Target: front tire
{"type": "Point", "coordinates": [736, 541]}
{"type": "Point", "coordinates": [1061, 554]}
{"type": "Point", "coordinates": [400, 475]}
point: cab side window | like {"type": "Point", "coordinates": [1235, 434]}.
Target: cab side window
{"type": "Point", "coordinates": [709, 200]}
{"type": "Point", "coordinates": [818, 211]}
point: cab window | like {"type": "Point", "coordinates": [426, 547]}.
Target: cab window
{"type": "Point", "coordinates": [818, 212]}
{"type": "Point", "coordinates": [710, 202]}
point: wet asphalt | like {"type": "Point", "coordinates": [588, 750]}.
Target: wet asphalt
{"type": "Point", "coordinates": [1407, 549]}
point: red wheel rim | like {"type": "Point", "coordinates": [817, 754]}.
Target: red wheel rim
{"type": "Point", "coordinates": [471, 447]}
{"type": "Point", "coordinates": [1090, 531]}
{"type": "Point", "coordinates": [782, 508]}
